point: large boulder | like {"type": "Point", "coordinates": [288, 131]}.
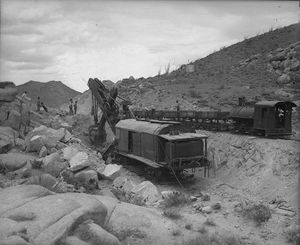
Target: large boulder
{"type": "Point", "coordinates": [48, 136]}
{"type": "Point", "coordinates": [54, 164]}
{"type": "Point", "coordinates": [147, 191]}
{"type": "Point", "coordinates": [33, 213]}
{"type": "Point", "coordinates": [35, 144]}
{"type": "Point", "coordinates": [69, 152]}
{"type": "Point", "coordinates": [92, 233]}
{"type": "Point", "coordinates": [48, 219]}
{"type": "Point", "coordinates": [49, 182]}
{"type": "Point", "coordinates": [112, 171]}
{"type": "Point", "coordinates": [297, 52]}
{"type": "Point", "coordinates": [5, 146]}
{"type": "Point", "coordinates": [284, 79]}
{"type": "Point", "coordinates": [123, 184]}
{"type": "Point", "coordinates": [87, 178]}
{"type": "Point", "coordinates": [43, 152]}
{"type": "Point", "coordinates": [295, 65]}
{"type": "Point", "coordinates": [8, 134]}
{"type": "Point", "coordinates": [79, 160]}
{"type": "Point", "coordinates": [280, 55]}
{"type": "Point", "coordinates": [138, 225]}
{"type": "Point", "coordinates": [14, 161]}
{"type": "Point", "coordinates": [14, 120]}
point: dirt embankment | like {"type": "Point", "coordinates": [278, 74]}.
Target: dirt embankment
{"type": "Point", "coordinates": [250, 169]}
{"type": "Point", "coordinates": [261, 168]}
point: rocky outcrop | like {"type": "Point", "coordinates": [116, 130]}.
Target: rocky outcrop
{"type": "Point", "coordinates": [54, 164]}
{"type": "Point", "coordinates": [8, 138]}
{"type": "Point", "coordinates": [44, 136]}
{"type": "Point", "coordinates": [12, 119]}
{"type": "Point", "coordinates": [147, 191]}
{"type": "Point", "coordinates": [14, 161]}
{"type": "Point", "coordinates": [111, 171]}
{"type": "Point", "coordinates": [31, 214]}
{"type": "Point", "coordinates": [285, 62]}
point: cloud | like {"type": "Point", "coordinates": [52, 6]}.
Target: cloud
{"type": "Point", "coordinates": [74, 40]}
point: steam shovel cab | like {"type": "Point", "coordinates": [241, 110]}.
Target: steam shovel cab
{"type": "Point", "coordinates": [161, 144]}
{"type": "Point", "coordinates": [273, 117]}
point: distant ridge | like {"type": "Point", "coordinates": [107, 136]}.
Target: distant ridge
{"type": "Point", "coordinates": [52, 93]}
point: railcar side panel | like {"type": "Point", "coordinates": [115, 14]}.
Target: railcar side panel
{"type": "Point", "coordinates": [136, 143]}
{"type": "Point", "coordinates": [123, 141]}
{"type": "Point", "coordinates": [148, 146]}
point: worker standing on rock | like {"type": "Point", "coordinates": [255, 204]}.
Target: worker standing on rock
{"type": "Point", "coordinates": [71, 107]}
{"type": "Point", "coordinates": [75, 107]}
{"type": "Point", "coordinates": [38, 104]}
{"type": "Point", "coordinates": [25, 113]}
{"type": "Point", "coordinates": [177, 108]}
{"type": "Point", "coordinates": [44, 107]}
{"type": "Point", "coordinates": [24, 95]}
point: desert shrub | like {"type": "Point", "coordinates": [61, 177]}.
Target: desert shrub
{"type": "Point", "coordinates": [257, 212]}
{"type": "Point", "coordinates": [175, 199]}
{"type": "Point", "coordinates": [124, 197]}
{"type": "Point", "coordinates": [210, 222]}
{"type": "Point", "coordinates": [172, 212]}
{"type": "Point", "coordinates": [222, 48]}
{"type": "Point", "coordinates": [123, 234]}
{"type": "Point", "coordinates": [214, 239]}
{"type": "Point", "coordinates": [188, 226]}
{"type": "Point", "coordinates": [202, 229]}
{"type": "Point", "coordinates": [222, 86]}
{"type": "Point", "coordinates": [176, 232]}
{"type": "Point", "coordinates": [293, 235]}
{"type": "Point", "coordinates": [194, 94]}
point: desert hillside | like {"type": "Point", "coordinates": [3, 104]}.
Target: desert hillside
{"type": "Point", "coordinates": [262, 67]}
{"type": "Point", "coordinates": [52, 93]}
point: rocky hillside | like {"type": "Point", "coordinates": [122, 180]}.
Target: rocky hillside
{"type": "Point", "coordinates": [52, 93]}
{"type": "Point", "coordinates": [264, 67]}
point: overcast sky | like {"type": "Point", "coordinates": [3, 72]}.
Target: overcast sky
{"type": "Point", "coordinates": [71, 41]}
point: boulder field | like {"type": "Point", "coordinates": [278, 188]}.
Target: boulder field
{"type": "Point", "coordinates": [31, 214]}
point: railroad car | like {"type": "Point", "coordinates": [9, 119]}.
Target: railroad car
{"type": "Point", "coordinates": [268, 118]}
{"type": "Point", "coordinates": [161, 145]}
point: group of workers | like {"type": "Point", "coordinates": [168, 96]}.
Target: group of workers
{"type": "Point", "coordinates": [73, 107]}
{"type": "Point", "coordinates": [40, 104]}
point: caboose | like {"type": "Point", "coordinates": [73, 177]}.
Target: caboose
{"type": "Point", "coordinates": [162, 145]}
{"type": "Point", "coordinates": [270, 118]}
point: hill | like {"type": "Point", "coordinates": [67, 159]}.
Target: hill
{"type": "Point", "coordinates": [262, 67]}
{"type": "Point", "coordinates": [52, 93]}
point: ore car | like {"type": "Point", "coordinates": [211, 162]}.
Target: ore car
{"type": "Point", "coordinates": [161, 145]}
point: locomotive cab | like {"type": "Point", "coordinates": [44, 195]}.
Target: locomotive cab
{"type": "Point", "coordinates": [273, 117]}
